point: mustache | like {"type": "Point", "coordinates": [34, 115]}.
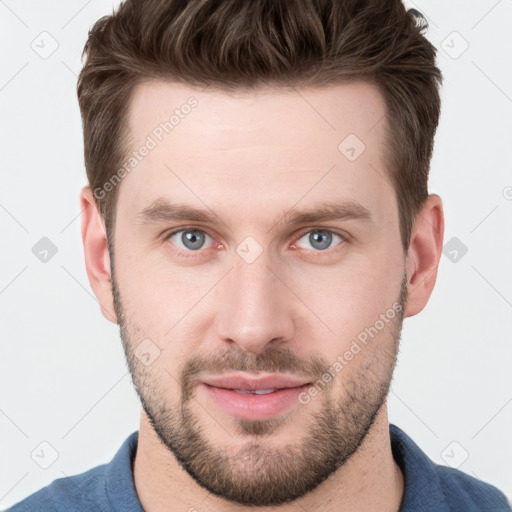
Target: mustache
{"type": "Point", "coordinates": [273, 360]}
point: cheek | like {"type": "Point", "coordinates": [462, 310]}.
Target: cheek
{"type": "Point", "coordinates": [167, 305]}
{"type": "Point", "coordinates": [350, 297]}
{"type": "Point", "coordinates": [155, 292]}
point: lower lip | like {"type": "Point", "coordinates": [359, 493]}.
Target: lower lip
{"type": "Point", "coordinates": [254, 407]}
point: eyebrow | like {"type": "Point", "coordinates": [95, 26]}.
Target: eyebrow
{"type": "Point", "coordinates": [161, 210]}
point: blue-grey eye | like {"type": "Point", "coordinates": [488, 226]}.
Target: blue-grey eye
{"type": "Point", "coordinates": [319, 239]}
{"type": "Point", "coordinates": [190, 239]}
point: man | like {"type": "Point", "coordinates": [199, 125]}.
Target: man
{"type": "Point", "coordinates": [258, 223]}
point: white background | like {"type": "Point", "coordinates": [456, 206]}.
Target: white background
{"type": "Point", "coordinates": [63, 378]}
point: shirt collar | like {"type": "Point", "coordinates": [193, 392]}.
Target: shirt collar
{"type": "Point", "coordinates": [119, 481]}
{"type": "Point", "coordinates": [422, 488]}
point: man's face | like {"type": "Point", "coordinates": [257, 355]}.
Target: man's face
{"type": "Point", "coordinates": [253, 293]}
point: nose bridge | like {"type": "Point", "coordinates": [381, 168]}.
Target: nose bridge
{"type": "Point", "coordinates": [254, 310]}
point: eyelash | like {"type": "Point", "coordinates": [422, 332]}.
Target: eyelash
{"type": "Point", "coordinates": [193, 254]}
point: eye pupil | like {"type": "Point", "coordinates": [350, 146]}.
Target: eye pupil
{"type": "Point", "coordinates": [322, 238]}
{"type": "Point", "coordinates": [192, 239]}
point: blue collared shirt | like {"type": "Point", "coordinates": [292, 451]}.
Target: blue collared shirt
{"type": "Point", "coordinates": [428, 486]}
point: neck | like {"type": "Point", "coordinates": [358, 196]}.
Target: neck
{"type": "Point", "coordinates": [370, 480]}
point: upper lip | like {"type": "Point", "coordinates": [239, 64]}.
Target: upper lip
{"type": "Point", "coordinates": [253, 383]}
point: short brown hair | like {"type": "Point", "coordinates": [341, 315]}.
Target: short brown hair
{"type": "Point", "coordinates": [243, 44]}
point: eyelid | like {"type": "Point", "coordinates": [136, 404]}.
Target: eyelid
{"type": "Point", "coordinates": [334, 231]}
{"type": "Point", "coordinates": [168, 234]}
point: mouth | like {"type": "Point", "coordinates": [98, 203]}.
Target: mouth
{"type": "Point", "coordinates": [257, 391]}
{"type": "Point", "coordinates": [265, 383]}
{"type": "Point", "coordinates": [254, 398]}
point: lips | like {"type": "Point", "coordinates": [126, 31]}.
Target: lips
{"type": "Point", "coordinates": [253, 398]}
{"type": "Point", "coordinates": [257, 385]}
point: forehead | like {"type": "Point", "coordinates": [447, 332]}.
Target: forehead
{"type": "Point", "coordinates": [256, 149]}
{"type": "Point", "coordinates": [334, 111]}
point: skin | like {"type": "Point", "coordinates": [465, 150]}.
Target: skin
{"type": "Point", "coordinates": [250, 157]}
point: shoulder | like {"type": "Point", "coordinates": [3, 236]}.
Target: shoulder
{"type": "Point", "coordinates": [430, 487]}
{"type": "Point", "coordinates": [107, 487]}
{"type": "Point", "coordinates": [461, 488]}
{"type": "Point", "coordinates": [83, 492]}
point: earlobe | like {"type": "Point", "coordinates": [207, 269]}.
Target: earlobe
{"type": "Point", "coordinates": [425, 249]}
{"type": "Point", "coordinates": [97, 257]}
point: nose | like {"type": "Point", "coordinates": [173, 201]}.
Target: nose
{"type": "Point", "coordinates": [257, 308]}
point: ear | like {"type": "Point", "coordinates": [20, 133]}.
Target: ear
{"type": "Point", "coordinates": [97, 258]}
{"type": "Point", "coordinates": [424, 253]}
